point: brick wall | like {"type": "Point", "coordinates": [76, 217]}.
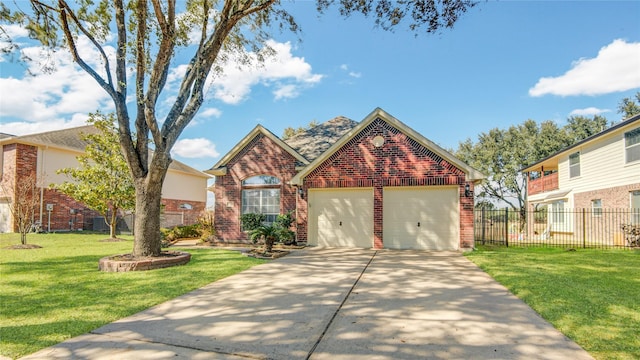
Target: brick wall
{"type": "Point", "coordinates": [612, 198]}
{"type": "Point", "coordinates": [7, 182]}
{"type": "Point", "coordinates": [190, 217]}
{"type": "Point", "coordinates": [262, 156]}
{"type": "Point", "coordinates": [401, 161]}
{"type": "Point", "coordinates": [61, 218]}
{"type": "Point", "coordinates": [20, 162]}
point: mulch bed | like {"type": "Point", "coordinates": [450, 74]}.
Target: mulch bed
{"type": "Point", "coordinates": [112, 240]}
{"type": "Point", "coordinates": [260, 254]}
{"type": "Point", "coordinates": [23, 247]}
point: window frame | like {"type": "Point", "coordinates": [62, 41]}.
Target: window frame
{"type": "Point", "coordinates": [269, 184]}
{"type": "Point", "coordinates": [596, 207]}
{"type": "Point", "coordinates": [557, 213]}
{"type": "Point", "coordinates": [574, 165]}
{"type": "Point", "coordinates": [635, 211]}
{"type": "Point", "coordinates": [635, 147]}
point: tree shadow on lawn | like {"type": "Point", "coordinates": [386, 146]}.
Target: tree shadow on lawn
{"type": "Point", "coordinates": [50, 291]}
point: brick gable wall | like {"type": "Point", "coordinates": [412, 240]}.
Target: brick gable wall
{"type": "Point", "coordinates": [262, 156]}
{"type": "Point", "coordinates": [401, 161]}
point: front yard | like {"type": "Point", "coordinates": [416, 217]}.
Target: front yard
{"type": "Point", "coordinates": [51, 294]}
{"type": "Point", "coordinates": [592, 296]}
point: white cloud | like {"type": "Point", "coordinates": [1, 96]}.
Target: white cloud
{"type": "Point", "coordinates": [209, 112]}
{"type": "Point", "coordinates": [48, 100]}
{"type": "Point", "coordinates": [289, 74]}
{"type": "Point", "coordinates": [355, 74]}
{"type": "Point", "coordinates": [286, 92]}
{"type": "Point", "coordinates": [195, 148]}
{"type": "Point", "coordinates": [23, 128]}
{"type": "Point", "coordinates": [61, 93]}
{"type": "Point", "coordinates": [615, 68]}
{"type": "Point", "coordinates": [588, 111]}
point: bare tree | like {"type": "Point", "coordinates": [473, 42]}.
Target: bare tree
{"type": "Point", "coordinates": [23, 205]}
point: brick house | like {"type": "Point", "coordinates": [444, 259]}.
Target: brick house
{"type": "Point", "coordinates": [40, 155]}
{"type": "Point", "coordinates": [601, 172]}
{"type": "Point", "coordinates": [373, 184]}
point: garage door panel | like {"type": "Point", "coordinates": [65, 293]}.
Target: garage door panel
{"type": "Point", "coordinates": [341, 217]}
{"type": "Point", "coordinates": [421, 218]}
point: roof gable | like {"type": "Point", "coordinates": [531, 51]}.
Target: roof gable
{"type": "Point", "coordinates": [220, 167]}
{"type": "Point", "coordinates": [472, 174]}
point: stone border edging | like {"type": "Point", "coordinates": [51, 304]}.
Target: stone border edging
{"type": "Point", "coordinates": [170, 258]}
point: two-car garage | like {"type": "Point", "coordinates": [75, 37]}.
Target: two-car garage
{"type": "Point", "coordinates": [421, 217]}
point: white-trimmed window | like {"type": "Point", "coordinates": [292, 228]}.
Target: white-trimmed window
{"type": "Point", "coordinates": [632, 145]}
{"type": "Point", "coordinates": [596, 207]}
{"type": "Point", "coordinates": [635, 206]}
{"type": "Point", "coordinates": [261, 195]}
{"type": "Point", "coordinates": [557, 209]}
{"type": "Point", "coordinates": [574, 165]}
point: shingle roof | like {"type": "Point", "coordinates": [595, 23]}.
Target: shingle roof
{"type": "Point", "coordinates": [315, 141]}
{"type": "Point", "coordinates": [67, 138]}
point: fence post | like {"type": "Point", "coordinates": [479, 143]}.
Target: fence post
{"type": "Point", "coordinates": [483, 224]}
{"type": "Point", "coordinates": [584, 228]}
{"type": "Point", "coordinates": [506, 226]}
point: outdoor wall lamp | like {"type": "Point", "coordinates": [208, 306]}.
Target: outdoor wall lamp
{"type": "Point", "coordinates": [301, 193]}
{"type": "Point", "coordinates": [467, 190]}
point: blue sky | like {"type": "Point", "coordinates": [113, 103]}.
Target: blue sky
{"type": "Point", "coordinates": [503, 63]}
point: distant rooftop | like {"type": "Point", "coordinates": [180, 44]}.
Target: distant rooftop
{"type": "Point", "coordinates": [68, 138]}
{"type": "Point", "coordinates": [71, 139]}
{"type": "Point", "coordinates": [315, 141]}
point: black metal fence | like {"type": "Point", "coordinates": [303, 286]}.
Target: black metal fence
{"type": "Point", "coordinates": [570, 228]}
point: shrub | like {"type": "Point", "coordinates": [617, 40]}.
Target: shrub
{"type": "Point", "coordinates": [178, 232]}
{"type": "Point", "coordinates": [252, 221]}
{"type": "Point", "coordinates": [283, 225]}
{"type": "Point", "coordinates": [206, 222]}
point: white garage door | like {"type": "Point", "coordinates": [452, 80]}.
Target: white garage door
{"type": "Point", "coordinates": [341, 217]}
{"type": "Point", "coordinates": [426, 218]}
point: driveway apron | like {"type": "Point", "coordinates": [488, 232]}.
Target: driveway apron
{"type": "Point", "coordinates": [335, 304]}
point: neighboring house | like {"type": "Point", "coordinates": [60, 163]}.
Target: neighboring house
{"type": "Point", "coordinates": [183, 196]}
{"type": "Point", "coordinates": [598, 173]}
{"type": "Point", "coordinates": [373, 184]}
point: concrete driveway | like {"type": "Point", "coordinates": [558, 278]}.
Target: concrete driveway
{"type": "Point", "coordinates": [335, 304]}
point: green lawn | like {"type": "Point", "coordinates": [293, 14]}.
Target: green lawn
{"type": "Point", "coordinates": [51, 294]}
{"type": "Point", "coordinates": [592, 296]}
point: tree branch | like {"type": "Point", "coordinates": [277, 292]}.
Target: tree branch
{"type": "Point", "coordinates": [107, 85]}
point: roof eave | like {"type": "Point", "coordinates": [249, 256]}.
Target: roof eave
{"type": "Point", "coordinates": [217, 171]}
{"type": "Point", "coordinates": [259, 129]}
{"type": "Point", "coordinates": [619, 126]}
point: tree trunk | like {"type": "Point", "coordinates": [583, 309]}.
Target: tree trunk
{"type": "Point", "coordinates": [114, 223]}
{"type": "Point", "coordinates": [268, 243]}
{"type": "Point", "coordinates": [147, 239]}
